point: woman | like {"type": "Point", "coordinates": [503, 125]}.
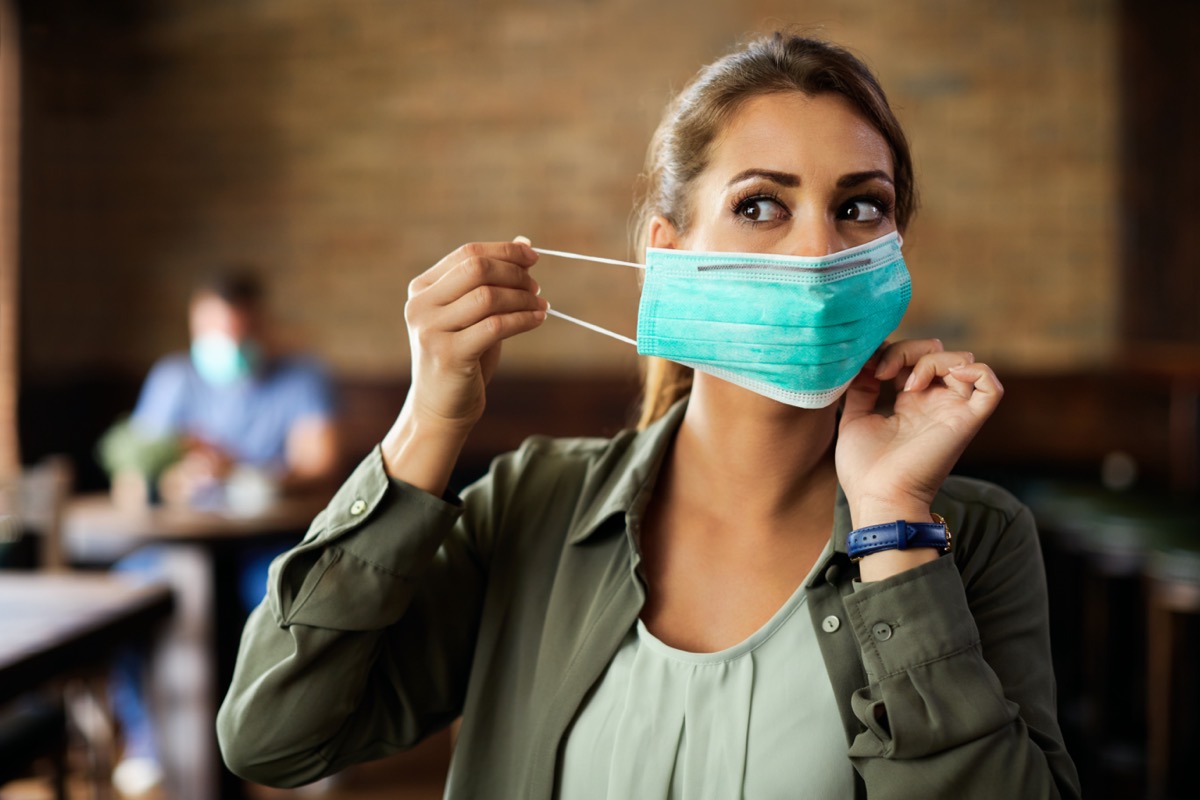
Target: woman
{"type": "Point", "coordinates": [619, 618]}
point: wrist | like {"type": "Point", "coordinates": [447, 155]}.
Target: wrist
{"type": "Point", "coordinates": [422, 453]}
{"type": "Point", "coordinates": [869, 514]}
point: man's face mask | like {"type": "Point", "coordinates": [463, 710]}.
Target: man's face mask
{"type": "Point", "coordinates": [221, 360]}
{"type": "Point", "coordinates": [795, 329]}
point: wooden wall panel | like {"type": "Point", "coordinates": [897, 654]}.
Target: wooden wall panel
{"type": "Point", "coordinates": [10, 453]}
{"type": "Point", "coordinates": [1160, 171]}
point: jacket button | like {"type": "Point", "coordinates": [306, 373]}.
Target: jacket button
{"type": "Point", "coordinates": [358, 507]}
{"type": "Point", "coordinates": [881, 631]}
{"type": "Point", "coordinates": [831, 624]}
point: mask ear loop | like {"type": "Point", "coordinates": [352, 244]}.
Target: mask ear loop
{"type": "Point", "coordinates": [599, 260]}
{"type": "Point", "coordinates": [591, 327]}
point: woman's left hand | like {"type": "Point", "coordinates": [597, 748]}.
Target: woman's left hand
{"type": "Point", "coordinates": [891, 466]}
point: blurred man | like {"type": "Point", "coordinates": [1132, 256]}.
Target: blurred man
{"type": "Point", "coordinates": [244, 423]}
{"type": "Point", "coordinates": [234, 403]}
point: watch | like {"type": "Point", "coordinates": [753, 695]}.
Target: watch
{"type": "Point", "coordinates": [899, 535]}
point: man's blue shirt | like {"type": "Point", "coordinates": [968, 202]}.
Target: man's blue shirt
{"type": "Point", "coordinates": [249, 419]}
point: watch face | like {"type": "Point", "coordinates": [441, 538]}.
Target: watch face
{"type": "Point", "coordinates": [940, 520]}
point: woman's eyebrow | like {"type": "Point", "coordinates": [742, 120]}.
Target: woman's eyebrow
{"type": "Point", "coordinates": [782, 178]}
{"type": "Point", "coordinates": [855, 178]}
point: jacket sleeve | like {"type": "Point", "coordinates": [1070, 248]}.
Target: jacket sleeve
{"type": "Point", "coordinates": [960, 700]}
{"type": "Point", "coordinates": [364, 643]}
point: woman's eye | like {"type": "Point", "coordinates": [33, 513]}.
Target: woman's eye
{"type": "Point", "coordinates": [761, 209]}
{"type": "Point", "coordinates": [862, 210]}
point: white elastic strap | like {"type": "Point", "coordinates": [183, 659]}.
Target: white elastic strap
{"type": "Point", "coordinates": [577, 321]}
{"type": "Point", "coordinates": [591, 327]}
{"type": "Point", "coordinates": [597, 259]}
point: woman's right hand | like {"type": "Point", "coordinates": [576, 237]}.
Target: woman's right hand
{"type": "Point", "coordinates": [458, 313]}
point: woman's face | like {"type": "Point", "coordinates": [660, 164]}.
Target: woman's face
{"type": "Point", "coordinates": [791, 174]}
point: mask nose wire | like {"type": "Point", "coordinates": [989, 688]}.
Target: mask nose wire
{"type": "Point", "coordinates": [576, 320]}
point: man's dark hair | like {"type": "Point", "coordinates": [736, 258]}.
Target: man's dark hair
{"type": "Point", "coordinates": [239, 287]}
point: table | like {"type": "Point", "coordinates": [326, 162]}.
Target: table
{"type": "Point", "coordinates": [192, 665]}
{"type": "Point", "coordinates": [53, 624]}
{"type": "Point", "coordinates": [57, 626]}
{"type": "Point", "coordinates": [97, 531]}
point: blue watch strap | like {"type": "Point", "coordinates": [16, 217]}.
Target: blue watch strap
{"type": "Point", "coordinates": [898, 535]}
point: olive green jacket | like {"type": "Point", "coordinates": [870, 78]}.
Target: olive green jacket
{"type": "Point", "coordinates": [401, 611]}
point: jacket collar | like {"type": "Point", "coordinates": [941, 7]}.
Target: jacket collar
{"type": "Point", "coordinates": [633, 480]}
{"type": "Point", "coordinates": [634, 476]}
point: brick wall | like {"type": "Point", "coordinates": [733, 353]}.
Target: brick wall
{"type": "Point", "coordinates": [345, 146]}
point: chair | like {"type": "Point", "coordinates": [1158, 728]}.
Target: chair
{"type": "Point", "coordinates": [1173, 660]}
{"type": "Point", "coordinates": [34, 728]}
{"type": "Point", "coordinates": [1100, 543]}
{"type": "Point", "coordinates": [31, 508]}
{"type": "Point", "coordinates": [44, 492]}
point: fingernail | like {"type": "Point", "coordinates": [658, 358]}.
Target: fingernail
{"type": "Point", "coordinates": [539, 290]}
{"type": "Point", "coordinates": [908, 384]}
{"type": "Point", "coordinates": [879, 370]}
{"type": "Point", "coordinates": [958, 367]}
{"type": "Point", "coordinates": [522, 240]}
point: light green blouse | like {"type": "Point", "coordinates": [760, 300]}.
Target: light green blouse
{"type": "Point", "coordinates": [757, 720]}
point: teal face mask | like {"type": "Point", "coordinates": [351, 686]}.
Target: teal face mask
{"type": "Point", "coordinates": [795, 329]}
{"type": "Point", "coordinates": [222, 361]}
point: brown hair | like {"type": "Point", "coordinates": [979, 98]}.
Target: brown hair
{"type": "Point", "coordinates": [237, 286]}
{"type": "Point", "coordinates": [679, 150]}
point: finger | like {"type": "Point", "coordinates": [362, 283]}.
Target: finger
{"type": "Point", "coordinates": [514, 252]}
{"type": "Point", "coordinates": [980, 384]}
{"type": "Point", "coordinates": [476, 340]}
{"type": "Point", "coordinates": [934, 365]}
{"type": "Point", "coordinates": [862, 395]}
{"type": "Point", "coordinates": [904, 354]}
{"type": "Point", "coordinates": [483, 302]}
{"type": "Point", "coordinates": [872, 365]}
{"type": "Point", "coordinates": [469, 275]}
{"type": "Point", "coordinates": [466, 279]}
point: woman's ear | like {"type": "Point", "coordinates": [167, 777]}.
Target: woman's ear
{"type": "Point", "coordinates": [663, 234]}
